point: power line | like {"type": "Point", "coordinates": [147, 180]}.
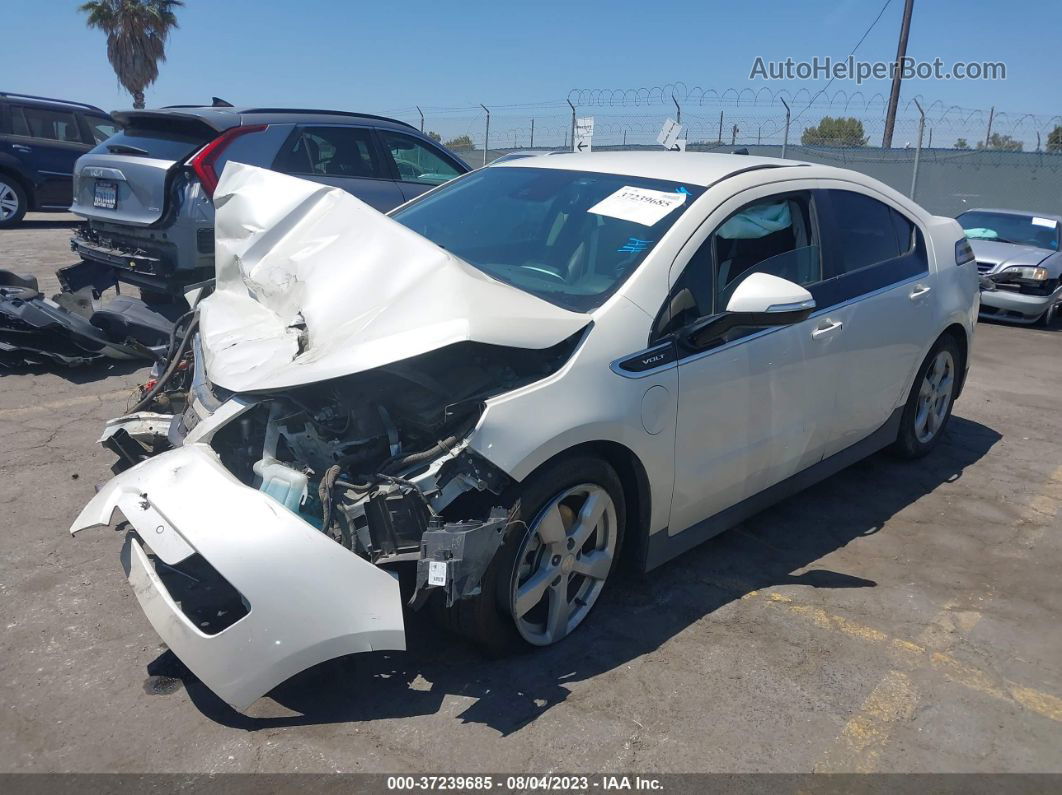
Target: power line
{"type": "Point", "coordinates": [850, 54]}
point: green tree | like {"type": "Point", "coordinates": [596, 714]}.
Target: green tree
{"type": "Point", "coordinates": [136, 38]}
{"type": "Point", "coordinates": [835, 132]}
{"type": "Point", "coordinates": [1054, 140]}
{"type": "Point", "coordinates": [435, 136]}
{"type": "Point", "coordinates": [961, 144]}
{"type": "Point", "coordinates": [460, 142]}
{"type": "Point", "coordinates": [1001, 142]}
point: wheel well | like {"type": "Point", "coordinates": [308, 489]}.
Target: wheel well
{"type": "Point", "coordinates": [636, 495]}
{"type": "Point", "coordinates": [31, 199]}
{"type": "Point", "coordinates": [958, 334]}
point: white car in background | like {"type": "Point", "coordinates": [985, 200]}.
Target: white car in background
{"type": "Point", "coordinates": [513, 378]}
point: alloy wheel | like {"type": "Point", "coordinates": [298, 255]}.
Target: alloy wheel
{"type": "Point", "coordinates": [563, 562]}
{"type": "Point", "coordinates": [934, 397]}
{"type": "Point", "coordinates": [8, 202]}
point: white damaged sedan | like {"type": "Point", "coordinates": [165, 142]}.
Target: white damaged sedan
{"type": "Point", "coordinates": [510, 380]}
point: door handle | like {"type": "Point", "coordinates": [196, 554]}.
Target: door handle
{"type": "Point", "coordinates": [21, 148]}
{"type": "Point", "coordinates": [826, 330]}
{"type": "Point", "coordinates": [918, 291]}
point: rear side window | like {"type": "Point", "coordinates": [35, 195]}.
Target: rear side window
{"type": "Point", "coordinates": [159, 143]}
{"type": "Point", "coordinates": [101, 128]}
{"type": "Point", "coordinates": [415, 161]}
{"type": "Point", "coordinates": [331, 152]}
{"type": "Point", "coordinates": [868, 231]}
{"type": "Point", "coordinates": [52, 125]}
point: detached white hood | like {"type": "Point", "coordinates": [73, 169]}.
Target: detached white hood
{"type": "Point", "coordinates": [314, 284]}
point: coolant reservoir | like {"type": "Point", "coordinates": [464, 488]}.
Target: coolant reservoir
{"type": "Point", "coordinates": [285, 485]}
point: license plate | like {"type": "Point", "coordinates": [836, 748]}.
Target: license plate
{"type": "Point", "coordinates": [106, 195]}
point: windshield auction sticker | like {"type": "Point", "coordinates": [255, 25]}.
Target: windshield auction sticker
{"type": "Point", "coordinates": [640, 205]}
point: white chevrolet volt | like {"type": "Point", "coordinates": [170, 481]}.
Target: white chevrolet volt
{"type": "Point", "coordinates": [508, 382]}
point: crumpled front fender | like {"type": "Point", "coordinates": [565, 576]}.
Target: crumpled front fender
{"type": "Point", "coordinates": [309, 598]}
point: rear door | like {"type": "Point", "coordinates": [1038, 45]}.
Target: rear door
{"type": "Point", "coordinates": [416, 165]}
{"type": "Point", "coordinates": [878, 269]}
{"type": "Point", "coordinates": [343, 156]}
{"type": "Point", "coordinates": [47, 142]}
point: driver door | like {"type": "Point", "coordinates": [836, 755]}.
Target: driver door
{"type": "Point", "coordinates": [754, 407]}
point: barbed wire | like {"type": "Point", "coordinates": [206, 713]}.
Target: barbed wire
{"type": "Point", "coordinates": [633, 116]}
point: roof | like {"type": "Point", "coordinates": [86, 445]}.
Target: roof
{"type": "Point", "coordinates": [695, 168]}
{"type": "Point", "coordinates": [35, 100]}
{"type": "Point", "coordinates": [222, 118]}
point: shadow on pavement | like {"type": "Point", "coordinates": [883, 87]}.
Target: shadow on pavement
{"type": "Point", "coordinates": [635, 617]}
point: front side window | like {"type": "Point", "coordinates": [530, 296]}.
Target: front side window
{"type": "Point", "coordinates": [1027, 230]}
{"type": "Point", "coordinates": [52, 125]}
{"type": "Point", "coordinates": [772, 235]}
{"type": "Point", "coordinates": [415, 161]}
{"type": "Point", "coordinates": [541, 230]}
{"type": "Point", "coordinates": [331, 152]}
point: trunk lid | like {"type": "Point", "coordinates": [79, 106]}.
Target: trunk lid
{"type": "Point", "coordinates": [126, 179]}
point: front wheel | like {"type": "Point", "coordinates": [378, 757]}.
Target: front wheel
{"type": "Point", "coordinates": [930, 402]}
{"type": "Point", "coordinates": [561, 548]}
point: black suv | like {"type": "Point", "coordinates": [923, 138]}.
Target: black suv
{"type": "Point", "coordinates": [147, 193]}
{"type": "Point", "coordinates": [40, 140]}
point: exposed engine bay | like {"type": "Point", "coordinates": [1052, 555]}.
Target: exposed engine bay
{"type": "Point", "coordinates": [377, 461]}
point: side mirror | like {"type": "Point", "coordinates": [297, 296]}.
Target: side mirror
{"type": "Point", "coordinates": [760, 301]}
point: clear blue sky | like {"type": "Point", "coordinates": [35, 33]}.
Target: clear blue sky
{"type": "Point", "coordinates": [386, 57]}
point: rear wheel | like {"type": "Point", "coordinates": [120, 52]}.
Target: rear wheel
{"type": "Point", "coordinates": [560, 550]}
{"type": "Point", "coordinates": [929, 405]}
{"type": "Point", "coordinates": [12, 201]}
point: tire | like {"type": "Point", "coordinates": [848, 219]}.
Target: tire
{"type": "Point", "coordinates": [494, 619]}
{"type": "Point", "coordinates": [13, 201]}
{"type": "Point", "coordinates": [928, 409]}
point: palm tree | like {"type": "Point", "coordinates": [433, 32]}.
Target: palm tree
{"type": "Point", "coordinates": [136, 38]}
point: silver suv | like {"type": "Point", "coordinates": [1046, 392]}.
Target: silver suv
{"type": "Point", "coordinates": [146, 192]}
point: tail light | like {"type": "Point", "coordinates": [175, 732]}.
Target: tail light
{"type": "Point", "coordinates": [203, 161]}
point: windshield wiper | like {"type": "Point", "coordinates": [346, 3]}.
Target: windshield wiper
{"type": "Point", "coordinates": [125, 149]}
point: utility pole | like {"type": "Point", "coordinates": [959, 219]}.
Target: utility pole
{"type": "Point", "coordinates": [532, 146]}
{"type": "Point", "coordinates": [894, 95]}
{"type": "Point", "coordinates": [570, 105]}
{"type": "Point", "coordinates": [486, 134]}
{"type": "Point", "coordinates": [720, 126]}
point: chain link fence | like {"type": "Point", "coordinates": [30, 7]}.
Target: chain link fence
{"type": "Point", "coordinates": [954, 158]}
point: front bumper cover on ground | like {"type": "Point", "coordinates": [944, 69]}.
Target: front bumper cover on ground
{"type": "Point", "coordinates": [309, 599]}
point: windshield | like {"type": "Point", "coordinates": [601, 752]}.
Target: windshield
{"type": "Point", "coordinates": [551, 232]}
{"type": "Point", "coordinates": [1028, 230]}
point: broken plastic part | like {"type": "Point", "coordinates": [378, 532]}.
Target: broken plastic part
{"type": "Point", "coordinates": [461, 553]}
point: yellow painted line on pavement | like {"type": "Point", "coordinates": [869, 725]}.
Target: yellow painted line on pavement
{"type": "Point", "coordinates": [1041, 511]}
{"type": "Point", "coordinates": [864, 736]}
{"type": "Point", "coordinates": [948, 626]}
{"type": "Point", "coordinates": [66, 403]}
